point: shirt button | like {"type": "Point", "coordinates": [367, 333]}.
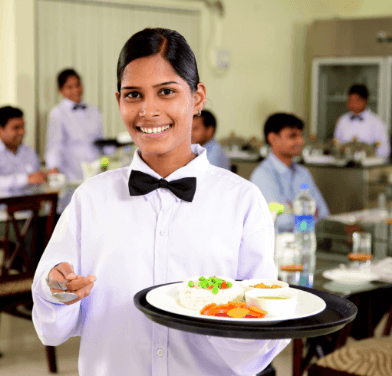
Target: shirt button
{"type": "Point", "coordinates": [163, 232]}
{"type": "Point", "coordinates": [160, 352]}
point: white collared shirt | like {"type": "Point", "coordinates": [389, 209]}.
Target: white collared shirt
{"type": "Point", "coordinates": [131, 243]}
{"type": "Point", "coordinates": [368, 130]}
{"type": "Point", "coordinates": [70, 138]}
{"type": "Point", "coordinates": [16, 168]}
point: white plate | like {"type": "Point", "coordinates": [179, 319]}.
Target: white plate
{"type": "Point", "coordinates": [350, 277]}
{"type": "Point", "coordinates": [166, 298]}
{"type": "Point", "coordinates": [337, 287]}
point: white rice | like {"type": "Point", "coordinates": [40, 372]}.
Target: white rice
{"type": "Point", "coordinates": [197, 298]}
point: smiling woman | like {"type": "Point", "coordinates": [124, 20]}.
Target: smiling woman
{"type": "Point", "coordinates": [158, 94]}
{"type": "Point", "coordinates": [168, 216]}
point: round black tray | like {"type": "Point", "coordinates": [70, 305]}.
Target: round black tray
{"type": "Point", "coordinates": [338, 312]}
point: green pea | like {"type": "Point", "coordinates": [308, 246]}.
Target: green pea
{"type": "Point", "coordinates": [191, 283]}
{"type": "Point", "coordinates": [229, 284]}
{"type": "Point", "coordinates": [215, 290]}
{"type": "Point", "coordinates": [219, 285]}
{"type": "Point", "coordinates": [202, 279]}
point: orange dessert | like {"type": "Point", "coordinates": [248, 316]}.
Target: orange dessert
{"type": "Point", "coordinates": [292, 268]}
{"type": "Point", "coordinates": [359, 256]}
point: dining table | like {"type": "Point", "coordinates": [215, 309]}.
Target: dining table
{"type": "Point", "coordinates": [64, 192]}
{"type": "Point", "coordinates": [372, 298]}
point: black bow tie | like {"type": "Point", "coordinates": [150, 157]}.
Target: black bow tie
{"type": "Point", "coordinates": [353, 117]}
{"type": "Point", "coordinates": [140, 184]}
{"type": "Point", "coordinates": [81, 106]}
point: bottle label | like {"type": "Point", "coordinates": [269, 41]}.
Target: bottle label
{"type": "Point", "coordinates": [304, 223]}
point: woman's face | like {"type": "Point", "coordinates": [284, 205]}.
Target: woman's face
{"type": "Point", "coordinates": [157, 106]}
{"type": "Point", "coordinates": [72, 89]}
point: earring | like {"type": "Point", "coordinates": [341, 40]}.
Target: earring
{"type": "Point", "coordinates": [199, 114]}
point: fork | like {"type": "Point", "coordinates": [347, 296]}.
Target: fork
{"type": "Point", "coordinates": [55, 284]}
{"type": "Point", "coordinates": [63, 297]}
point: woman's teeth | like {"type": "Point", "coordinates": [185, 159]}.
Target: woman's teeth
{"type": "Point", "coordinates": [155, 130]}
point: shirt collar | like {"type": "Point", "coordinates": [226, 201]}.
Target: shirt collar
{"type": "Point", "coordinates": [209, 143]}
{"type": "Point", "coordinates": [194, 168]}
{"type": "Point", "coordinates": [279, 165]}
{"type": "Point", "coordinates": [70, 104]}
{"type": "Point", "coordinates": [362, 114]}
{"type": "Point", "coordinates": [4, 148]}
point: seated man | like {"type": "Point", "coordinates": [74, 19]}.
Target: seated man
{"type": "Point", "coordinates": [362, 123]}
{"type": "Point", "coordinates": [278, 178]}
{"type": "Point", "coordinates": [203, 130]}
{"type": "Point", "coordinates": [19, 165]}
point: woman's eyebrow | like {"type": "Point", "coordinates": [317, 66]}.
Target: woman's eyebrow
{"type": "Point", "coordinates": [155, 86]}
{"type": "Point", "coordinates": [166, 83]}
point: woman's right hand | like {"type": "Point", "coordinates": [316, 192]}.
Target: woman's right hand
{"type": "Point", "coordinates": [81, 286]}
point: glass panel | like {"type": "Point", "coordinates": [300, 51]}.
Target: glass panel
{"type": "Point", "coordinates": [334, 83]}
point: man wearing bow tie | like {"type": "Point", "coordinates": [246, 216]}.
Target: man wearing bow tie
{"type": "Point", "coordinates": [73, 126]}
{"type": "Point", "coordinates": [362, 123]}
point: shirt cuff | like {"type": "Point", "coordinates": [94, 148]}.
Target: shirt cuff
{"type": "Point", "coordinates": [20, 180]}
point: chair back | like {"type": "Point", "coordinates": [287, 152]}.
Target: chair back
{"type": "Point", "coordinates": [27, 237]}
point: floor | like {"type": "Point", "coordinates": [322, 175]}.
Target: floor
{"type": "Point", "coordinates": [24, 355]}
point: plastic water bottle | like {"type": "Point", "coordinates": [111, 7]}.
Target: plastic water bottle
{"type": "Point", "coordinates": [304, 208]}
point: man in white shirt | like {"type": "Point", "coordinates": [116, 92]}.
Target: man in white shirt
{"type": "Point", "coordinates": [73, 126]}
{"type": "Point", "coordinates": [203, 130]}
{"type": "Point", "coordinates": [361, 123]}
{"type": "Point", "coordinates": [19, 164]}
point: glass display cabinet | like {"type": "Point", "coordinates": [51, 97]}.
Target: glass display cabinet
{"type": "Point", "coordinates": [331, 81]}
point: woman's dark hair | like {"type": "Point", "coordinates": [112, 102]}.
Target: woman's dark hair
{"type": "Point", "coordinates": [359, 89]}
{"type": "Point", "coordinates": [276, 122]}
{"type": "Point", "coordinates": [64, 75]}
{"type": "Point", "coordinates": [170, 44]}
{"type": "Point", "coordinates": [7, 113]}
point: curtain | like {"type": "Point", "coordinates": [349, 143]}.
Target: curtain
{"type": "Point", "coordinates": [88, 37]}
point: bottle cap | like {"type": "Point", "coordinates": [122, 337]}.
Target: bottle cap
{"type": "Point", "coordinates": [304, 186]}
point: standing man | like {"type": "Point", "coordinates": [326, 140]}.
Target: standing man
{"type": "Point", "coordinates": [278, 177]}
{"type": "Point", "coordinates": [203, 130]}
{"type": "Point", "coordinates": [19, 164]}
{"type": "Point", "coordinates": [362, 123]}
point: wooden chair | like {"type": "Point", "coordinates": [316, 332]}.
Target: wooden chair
{"type": "Point", "coordinates": [369, 357]}
{"type": "Point", "coordinates": [31, 239]}
{"type": "Point", "coordinates": [269, 371]}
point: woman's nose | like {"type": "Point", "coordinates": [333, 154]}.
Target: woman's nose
{"type": "Point", "coordinates": [149, 110]}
